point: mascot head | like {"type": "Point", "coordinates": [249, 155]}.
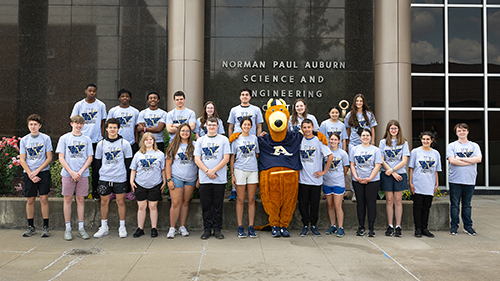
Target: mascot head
{"type": "Point", "coordinates": [277, 119]}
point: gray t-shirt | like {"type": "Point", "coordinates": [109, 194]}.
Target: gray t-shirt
{"type": "Point", "coordinates": [148, 167]}
{"type": "Point", "coordinates": [184, 169]}
{"type": "Point", "coordinates": [463, 174]}
{"type": "Point", "coordinates": [239, 112]}
{"type": "Point", "coordinates": [335, 175]}
{"type": "Point", "coordinates": [35, 148]}
{"type": "Point", "coordinates": [312, 152]}
{"type": "Point", "coordinates": [76, 150]}
{"type": "Point", "coordinates": [393, 155]}
{"type": "Point", "coordinates": [425, 164]}
{"type": "Point", "coordinates": [327, 128]}
{"type": "Point", "coordinates": [212, 151]}
{"type": "Point", "coordinates": [202, 130]}
{"type": "Point", "coordinates": [364, 159]}
{"type": "Point", "coordinates": [354, 137]}
{"type": "Point", "coordinates": [113, 156]}
{"type": "Point", "coordinates": [297, 127]}
{"type": "Point", "coordinates": [152, 118]}
{"type": "Point", "coordinates": [93, 113]}
{"type": "Point", "coordinates": [244, 149]}
{"type": "Point", "coordinates": [128, 120]}
{"type": "Point", "coordinates": [178, 117]}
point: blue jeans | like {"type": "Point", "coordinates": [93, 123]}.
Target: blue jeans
{"type": "Point", "coordinates": [461, 192]}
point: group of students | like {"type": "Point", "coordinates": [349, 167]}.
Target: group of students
{"type": "Point", "coordinates": [120, 161]}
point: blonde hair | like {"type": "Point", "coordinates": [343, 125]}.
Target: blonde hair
{"type": "Point", "coordinates": [142, 146]}
{"type": "Point", "coordinates": [78, 119]}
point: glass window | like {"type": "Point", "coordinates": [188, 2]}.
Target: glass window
{"type": "Point", "coordinates": [494, 92]}
{"type": "Point", "coordinates": [466, 92]}
{"type": "Point", "coordinates": [277, 22]}
{"type": "Point", "coordinates": [475, 121]}
{"type": "Point", "coordinates": [493, 1]}
{"type": "Point", "coordinates": [493, 40]}
{"type": "Point", "coordinates": [432, 121]}
{"type": "Point", "coordinates": [465, 47]}
{"type": "Point", "coordinates": [494, 147]}
{"type": "Point", "coordinates": [428, 1]}
{"type": "Point", "coordinates": [427, 91]}
{"type": "Point", "coordinates": [238, 22]}
{"type": "Point", "coordinates": [465, 1]}
{"type": "Point", "coordinates": [427, 40]}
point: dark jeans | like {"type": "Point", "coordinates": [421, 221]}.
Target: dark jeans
{"type": "Point", "coordinates": [95, 175]}
{"type": "Point", "coordinates": [421, 206]}
{"type": "Point", "coordinates": [309, 196]}
{"type": "Point", "coordinates": [461, 192]}
{"type": "Point", "coordinates": [211, 198]}
{"type": "Point", "coordinates": [366, 198]}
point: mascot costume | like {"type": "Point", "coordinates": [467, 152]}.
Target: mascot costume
{"type": "Point", "coordinates": [279, 168]}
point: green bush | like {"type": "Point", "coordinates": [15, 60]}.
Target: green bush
{"type": "Point", "coordinates": [56, 178]}
{"type": "Point", "coordinates": [9, 163]}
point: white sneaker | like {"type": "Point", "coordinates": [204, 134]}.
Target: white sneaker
{"type": "Point", "coordinates": [183, 231]}
{"type": "Point", "coordinates": [67, 235]}
{"type": "Point", "coordinates": [101, 232]}
{"type": "Point", "coordinates": [122, 232]}
{"type": "Point", "coordinates": [83, 234]}
{"type": "Point", "coordinates": [171, 233]}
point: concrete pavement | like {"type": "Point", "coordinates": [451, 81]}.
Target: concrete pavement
{"type": "Point", "coordinates": [444, 257]}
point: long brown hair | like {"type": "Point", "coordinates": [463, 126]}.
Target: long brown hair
{"type": "Point", "coordinates": [174, 145]}
{"type": "Point", "coordinates": [295, 115]}
{"type": "Point", "coordinates": [353, 119]}
{"type": "Point", "coordinates": [388, 137]}
{"type": "Point", "coordinates": [204, 116]}
{"type": "Point", "coordinates": [142, 146]}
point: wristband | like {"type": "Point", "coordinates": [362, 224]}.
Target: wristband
{"type": "Point", "coordinates": [144, 129]}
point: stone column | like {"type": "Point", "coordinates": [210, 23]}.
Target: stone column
{"type": "Point", "coordinates": [393, 65]}
{"type": "Point", "coordinates": [186, 19]}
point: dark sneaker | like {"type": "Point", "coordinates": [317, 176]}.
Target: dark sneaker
{"type": "Point", "coordinates": [314, 230]}
{"type": "Point", "coordinates": [331, 230]}
{"type": "Point", "coordinates": [427, 233]}
{"type": "Point", "coordinates": [389, 231]}
{"type": "Point", "coordinates": [418, 232]}
{"type": "Point", "coordinates": [371, 233]}
{"type": "Point", "coordinates": [304, 231]}
{"type": "Point", "coordinates": [241, 232]}
{"type": "Point", "coordinates": [275, 232]}
{"type": "Point", "coordinates": [206, 234]}
{"type": "Point", "coordinates": [453, 231]}
{"type": "Point", "coordinates": [218, 234]}
{"type": "Point", "coordinates": [154, 232]}
{"type": "Point", "coordinates": [45, 232]}
{"type": "Point", "coordinates": [138, 233]}
{"type": "Point", "coordinates": [29, 232]}
{"type": "Point", "coordinates": [340, 232]}
{"type": "Point", "coordinates": [251, 232]}
{"type": "Point", "coordinates": [232, 197]}
{"type": "Point", "coordinates": [284, 232]}
{"type": "Point", "coordinates": [361, 231]}
{"type": "Point", "coordinates": [397, 232]}
{"type": "Point", "coordinates": [470, 231]}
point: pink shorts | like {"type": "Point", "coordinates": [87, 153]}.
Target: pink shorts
{"type": "Point", "coordinates": [69, 186]}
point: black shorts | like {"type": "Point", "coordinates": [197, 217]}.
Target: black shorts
{"type": "Point", "coordinates": [150, 194]}
{"type": "Point", "coordinates": [30, 188]}
{"type": "Point", "coordinates": [106, 187]}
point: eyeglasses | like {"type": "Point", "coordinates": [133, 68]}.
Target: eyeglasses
{"type": "Point", "coordinates": [185, 131]}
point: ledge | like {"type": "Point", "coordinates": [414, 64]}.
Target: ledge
{"type": "Point", "coordinates": [13, 215]}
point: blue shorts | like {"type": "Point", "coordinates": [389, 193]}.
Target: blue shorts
{"type": "Point", "coordinates": [390, 184]}
{"type": "Point", "coordinates": [181, 184]}
{"type": "Point", "coordinates": [337, 190]}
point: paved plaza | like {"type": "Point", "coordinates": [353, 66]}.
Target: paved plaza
{"type": "Point", "coordinates": [444, 257]}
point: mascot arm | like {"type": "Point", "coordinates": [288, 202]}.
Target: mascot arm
{"type": "Point", "coordinates": [233, 137]}
{"type": "Point", "coordinates": [321, 137]}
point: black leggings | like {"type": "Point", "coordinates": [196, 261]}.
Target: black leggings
{"type": "Point", "coordinates": [366, 198]}
{"type": "Point", "coordinates": [309, 196]}
{"type": "Point", "coordinates": [421, 207]}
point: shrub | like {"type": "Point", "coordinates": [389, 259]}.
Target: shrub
{"type": "Point", "coordinates": [56, 178]}
{"type": "Point", "coordinates": [9, 163]}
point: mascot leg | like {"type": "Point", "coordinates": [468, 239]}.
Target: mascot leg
{"type": "Point", "coordinates": [270, 195]}
{"type": "Point", "coordinates": [290, 186]}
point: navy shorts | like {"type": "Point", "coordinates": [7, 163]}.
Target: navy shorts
{"type": "Point", "coordinates": [337, 190]}
{"type": "Point", "coordinates": [106, 187]}
{"type": "Point", "coordinates": [30, 189]}
{"type": "Point", "coordinates": [390, 184]}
